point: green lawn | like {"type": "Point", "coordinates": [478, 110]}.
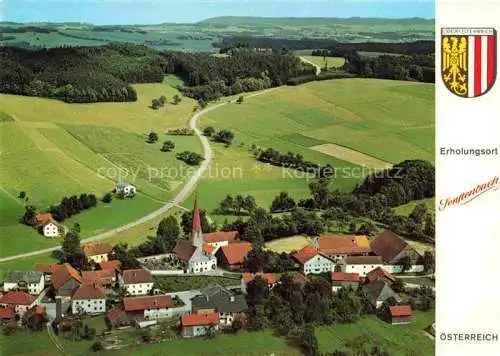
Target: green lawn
{"type": "Point", "coordinates": [408, 208]}
{"type": "Point", "coordinates": [182, 283]}
{"type": "Point", "coordinates": [71, 149]}
{"type": "Point", "coordinates": [389, 120]}
{"type": "Point", "coordinates": [396, 340]}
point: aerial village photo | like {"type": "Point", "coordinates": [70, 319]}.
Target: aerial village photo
{"type": "Point", "coordinates": [209, 178]}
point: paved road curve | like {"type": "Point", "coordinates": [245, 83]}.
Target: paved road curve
{"type": "Point", "coordinates": [318, 68]}
{"type": "Point", "coordinates": [208, 154]}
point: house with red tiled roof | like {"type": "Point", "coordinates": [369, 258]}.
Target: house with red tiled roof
{"type": "Point", "coordinates": [393, 249]}
{"type": "Point", "coordinates": [114, 265]}
{"type": "Point", "coordinates": [48, 225]}
{"type": "Point", "coordinates": [7, 314]}
{"type": "Point", "coordinates": [97, 251]}
{"type": "Point", "coordinates": [269, 278]}
{"type": "Point", "coordinates": [313, 261]}
{"type": "Point", "coordinates": [337, 248]}
{"type": "Point", "coordinates": [20, 302]}
{"type": "Point", "coordinates": [233, 255]}
{"type": "Point", "coordinates": [344, 280]}
{"type": "Point", "coordinates": [197, 256]}
{"type": "Point", "coordinates": [380, 273]}
{"type": "Point", "coordinates": [66, 280]}
{"type": "Point", "coordinates": [136, 281]}
{"type": "Point", "coordinates": [400, 314]}
{"type": "Point", "coordinates": [150, 307]}
{"type": "Point", "coordinates": [90, 299]}
{"type": "Point", "coordinates": [105, 278]}
{"type": "Point", "coordinates": [221, 238]}
{"type": "Point", "coordinates": [194, 325]}
{"type": "Point", "coordinates": [117, 317]}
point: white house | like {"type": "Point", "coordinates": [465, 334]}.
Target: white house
{"type": "Point", "coordinates": [151, 307]}
{"type": "Point", "coordinates": [362, 264]}
{"type": "Point", "coordinates": [136, 281]}
{"type": "Point", "coordinates": [313, 261]}
{"type": "Point", "coordinates": [50, 227]}
{"type": "Point", "coordinates": [20, 302]}
{"type": "Point", "coordinates": [98, 251]}
{"type": "Point", "coordinates": [220, 238]}
{"type": "Point", "coordinates": [126, 189]}
{"type": "Point", "coordinates": [89, 298]}
{"type": "Point", "coordinates": [26, 281]}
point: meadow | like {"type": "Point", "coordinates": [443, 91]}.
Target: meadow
{"type": "Point", "coordinates": [331, 62]}
{"type": "Point", "coordinates": [382, 120]}
{"type": "Point", "coordinates": [51, 149]}
{"type": "Point", "coordinates": [396, 340]}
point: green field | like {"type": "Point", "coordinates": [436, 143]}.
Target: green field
{"type": "Point", "coordinates": [331, 62]}
{"type": "Point", "coordinates": [408, 208]}
{"type": "Point", "coordinates": [51, 149]}
{"type": "Point", "coordinates": [388, 120]}
{"type": "Point", "coordinates": [396, 340]}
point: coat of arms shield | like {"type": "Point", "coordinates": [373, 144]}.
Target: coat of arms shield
{"type": "Point", "coordinates": [468, 60]}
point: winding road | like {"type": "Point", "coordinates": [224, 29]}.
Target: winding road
{"type": "Point", "coordinates": [318, 68]}
{"type": "Point", "coordinates": [179, 198]}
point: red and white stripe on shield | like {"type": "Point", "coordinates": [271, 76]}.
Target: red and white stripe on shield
{"type": "Point", "coordinates": [481, 63]}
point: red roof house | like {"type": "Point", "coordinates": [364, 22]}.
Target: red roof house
{"type": "Point", "coordinates": [400, 314]}
{"type": "Point", "coordinates": [270, 278]}
{"type": "Point", "coordinates": [233, 255]}
{"type": "Point", "coordinates": [102, 277]}
{"type": "Point", "coordinates": [66, 280]}
{"type": "Point", "coordinates": [114, 265]}
{"type": "Point", "coordinates": [198, 324]}
{"type": "Point", "coordinates": [342, 279]}
{"type": "Point", "coordinates": [221, 236]}
{"type": "Point", "coordinates": [380, 273]}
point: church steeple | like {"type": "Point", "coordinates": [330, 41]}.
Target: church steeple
{"type": "Point", "coordinates": [196, 233]}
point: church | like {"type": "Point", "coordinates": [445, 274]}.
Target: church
{"type": "Point", "coordinates": [196, 253]}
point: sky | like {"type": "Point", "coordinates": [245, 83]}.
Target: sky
{"type": "Point", "coordinates": [102, 12]}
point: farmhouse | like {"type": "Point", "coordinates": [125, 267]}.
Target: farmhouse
{"type": "Point", "coordinates": [26, 281]}
{"type": "Point", "coordinates": [19, 302]}
{"type": "Point", "coordinates": [105, 278]}
{"type": "Point", "coordinates": [312, 261]}
{"type": "Point", "coordinates": [90, 299]}
{"type": "Point", "coordinates": [136, 281]}
{"type": "Point", "coordinates": [342, 279]}
{"type": "Point", "coordinates": [113, 265]}
{"type": "Point", "coordinates": [400, 314]}
{"type": "Point", "coordinates": [270, 279]}
{"type": "Point", "coordinates": [378, 292]}
{"type": "Point", "coordinates": [380, 273]}
{"type": "Point", "coordinates": [198, 258]}
{"type": "Point", "coordinates": [117, 317]}
{"type": "Point", "coordinates": [220, 238]}
{"type": "Point", "coordinates": [362, 264]}
{"type": "Point", "coordinates": [125, 189]}
{"type": "Point", "coordinates": [149, 308]}
{"type": "Point", "coordinates": [194, 325]}
{"type": "Point", "coordinates": [337, 248]}
{"type": "Point", "coordinates": [66, 280]}
{"type": "Point", "coordinates": [393, 249]}
{"type": "Point", "coordinates": [97, 251]}
{"type": "Point", "coordinates": [216, 298]}
{"type": "Point", "coordinates": [233, 255]}
{"type": "Point", "coordinates": [49, 227]}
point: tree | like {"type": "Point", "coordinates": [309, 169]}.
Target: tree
{"type": "Point", "coordinates": [308, 341]}
{"type": "Point", "coordinates": [97, 346]}
{"type": "Point", "coordinates": [162, 100]}
{"type": "Point", "coordinates": [418, 214]}
{"type": "Point", "coordinates": [125, 256]}
{"type": "Point", "coordinates": [152, 137]}
{"type": "Point", "coordinates": [167, 234]}
{"type": "Point", "coordinates": [168, 146]}
{"type": "Point", "coordinates": [367, 228]}
{"type": "Point", "coordinates": [429, 227]}
{"type": "Point", "coordinates": [224, 136]}
{"type": "Point", "coordinates": [398, 286]}
{"type": "Point", "coordinates": [237, 325]}
{"type": "Point", "coordinates": [249, 203]}
{"type": "Point", "coordinates": [107, 198]}
{"type": "Point", "coordinates": [177, 99]}
{"type": "Point", "coordinates": [29, 217]}
{"type": "Point", "coordinates": [71, 244]}
{"type": "Point", "coordinates": [352, 227]}
{"type": "Point", "coordinates": [253, 234]}
{"type": "Point", "coordinates": [22, 195]}
{"type": "Point", "coordinates": [155, 104]}
{"type": "Point", "coordinates": [240, 99]}
{"type": "Point", "coordinates": [405, 263]}
{"type": "Point", "coordinates": [283, 202]}
{"type": "Point", "coordinates": [429, 261]}
{"type": "Point", "coordinates": [208, 131]}
{"type": "Point", "coordinates": [202, 104]}
{"type": "Point", "coordinates": [227, 204]}
{"type": "Point", "coordinates": [76, 228]}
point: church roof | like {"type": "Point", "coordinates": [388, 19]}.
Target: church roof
{"type": "Point", "coordinates": [196, 216]}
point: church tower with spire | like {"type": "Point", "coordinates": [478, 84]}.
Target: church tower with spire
{"type": "Point", "coordinates": [196, 233]}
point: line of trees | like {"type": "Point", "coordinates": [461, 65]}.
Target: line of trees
{"type": "Point", "coordinates": [72, 206]}
{"type": "Point", "coordinates": [230, 205]}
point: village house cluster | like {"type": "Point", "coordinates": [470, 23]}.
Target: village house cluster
{"type": "Point", "coordinates": [128, 297]}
